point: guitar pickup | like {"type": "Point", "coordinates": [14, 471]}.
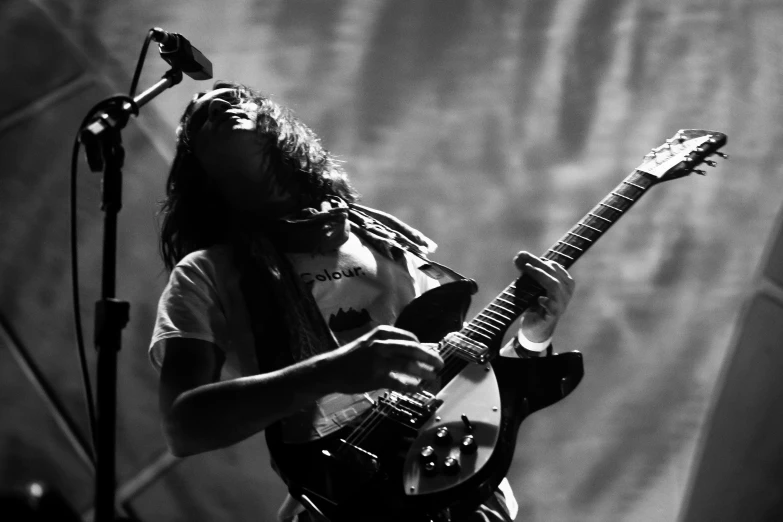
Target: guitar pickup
{"type": "Point", "coordinates": [466, 348]}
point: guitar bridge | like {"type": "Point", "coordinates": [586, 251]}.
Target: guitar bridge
{"type": "Point", "coordinates": [411, 411]}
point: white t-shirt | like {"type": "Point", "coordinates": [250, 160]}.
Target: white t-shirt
{"type": "Point", "coordinates": [355, 287]}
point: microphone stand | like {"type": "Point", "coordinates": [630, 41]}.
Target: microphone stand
{"type": "Point", "coordinates": [103, 145]}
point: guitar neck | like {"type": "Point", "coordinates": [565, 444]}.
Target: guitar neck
{"type": "Point", "coordinates": [489, 325]}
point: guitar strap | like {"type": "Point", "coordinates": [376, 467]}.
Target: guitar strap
{"type": "Point", "coordinates": [391, 237]}
{"type": "Point", "coordinates": [286, 322]}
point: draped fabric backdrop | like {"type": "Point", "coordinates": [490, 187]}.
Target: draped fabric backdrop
{"type": "Point", "coordinates": [493, 126]}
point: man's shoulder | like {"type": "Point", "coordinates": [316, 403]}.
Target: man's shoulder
{"type": "Point", "coordinates": [216, 259]}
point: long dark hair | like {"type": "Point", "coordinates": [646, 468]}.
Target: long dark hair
{"type": "Point", "coordinates": [195, 215]}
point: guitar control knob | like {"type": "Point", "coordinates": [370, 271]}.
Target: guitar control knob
{"type": "Point", "coordinates": [468, 445]}
{"type": "Point", "coordinates": [443, 436]}
{"type": "Point", "coordinates": [430, 468]}
{"type": "Point", "coordinates": [427, 454]}
{"type": "Point", "coordinates": [451, 466]}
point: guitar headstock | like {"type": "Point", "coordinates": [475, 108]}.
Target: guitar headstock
{"type": "Point", "coordinates": [682, 153]}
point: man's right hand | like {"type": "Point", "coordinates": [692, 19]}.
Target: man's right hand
{"type": "Point", "coordinates": [234, 409]}
{"type": "Point", "coordinates": [386, 357]}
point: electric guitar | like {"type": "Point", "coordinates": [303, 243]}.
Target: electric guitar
{"type": "Point", "coordinates": [442, 452]}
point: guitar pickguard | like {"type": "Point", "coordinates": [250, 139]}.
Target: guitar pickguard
{"type": "Point", "coordinates": [470, 416]}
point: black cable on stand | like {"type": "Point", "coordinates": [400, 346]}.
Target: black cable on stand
{"type": "Point", "coordinates": [102, 140]}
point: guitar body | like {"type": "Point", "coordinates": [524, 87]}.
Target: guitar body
{"type": "Point", "coordinates": [383, 473]}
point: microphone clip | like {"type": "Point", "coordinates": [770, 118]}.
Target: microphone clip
{"type": "Point", "coordinates": [180, 54]}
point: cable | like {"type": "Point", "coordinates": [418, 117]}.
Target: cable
{"type": "Point", "coordinates": [75, 291]}
{"type": "Point", "coordinates": [140, 63]}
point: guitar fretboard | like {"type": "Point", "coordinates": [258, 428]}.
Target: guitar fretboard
{"type": "Point", "coordinates": [487, 328]}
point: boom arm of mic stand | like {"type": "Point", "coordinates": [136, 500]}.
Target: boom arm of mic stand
{"type": "Point", "coordinates": [107, 121]}
{"type": "Point", "coordinates": [171, 78]}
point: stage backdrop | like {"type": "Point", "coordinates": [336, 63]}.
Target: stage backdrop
{"type": "Point", "coordinates": [491, 125]}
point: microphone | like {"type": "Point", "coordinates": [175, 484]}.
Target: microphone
{"type": "Point", "coordinates": [177, 51]}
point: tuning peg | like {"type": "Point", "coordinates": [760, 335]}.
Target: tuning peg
{"type": "Point", "coordinates": [722, 155]}
{"type": "Point", "coordinates": [711, 163]}
{"type": "Point", "coordinates": [700, 172]}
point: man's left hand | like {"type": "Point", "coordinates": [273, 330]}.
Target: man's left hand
{"type": "Point", "coordinates": [540, 319]}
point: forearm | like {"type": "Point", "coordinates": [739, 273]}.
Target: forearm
{"type": "Point", "coordinates": [223, 413]}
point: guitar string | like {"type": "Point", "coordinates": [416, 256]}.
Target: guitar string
{"type": "Point", "coordinates": [370, 420]}
{"type": "Point", "coordinates": [380, 412]}
{"type": "Point", "coordinates": [449, 348]}
{"type": "Point", "coordinates": [483, 320]}
{"type": "Point", "coordinates": [480, 322]}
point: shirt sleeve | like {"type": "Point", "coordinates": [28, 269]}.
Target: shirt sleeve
{"type": "Point", "coordinates": [189, 308]}
{"type": "Point", "coordinates": [421, 281]}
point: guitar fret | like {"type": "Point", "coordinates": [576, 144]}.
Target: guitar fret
{"type": "Point", "coordinates": [610, 206]}
{"type": "Point", "coordinates": [515, 309]}
{"type": "Point", "coordinates": [599, 217]}
{"type": "Point", "coordinates": [486, 318]}
{"type": "Point", "coordinates": [495, 326]}
{"type": "Point", "coordinates": [572, 246]}
{"type": "Point", "coordinates": [509, 293]}
{"type": "Point", "coordinates": [488, 311]}
{"type": "Point", "coordinates": [633, 185]}
{"type": "Point", "coordinates": [561, 254]}
{"type": "Point", "coordinates": [621, 196]}
{"type": "Point", "coordinates": [503, 307]}
{"type": "Point", "coordinates": [592, 228]}
{"type": "Point", "coordinates": [485, 326]}
{"type": "Point", "coordinates": [513, 301]}
{"type": "Point", "coordinates": [476, 331]}
{"type": "Point", "coordinates": [580, 237]}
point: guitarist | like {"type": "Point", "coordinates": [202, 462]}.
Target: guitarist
{"type": "Point", "coordinates": [282, 289]}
